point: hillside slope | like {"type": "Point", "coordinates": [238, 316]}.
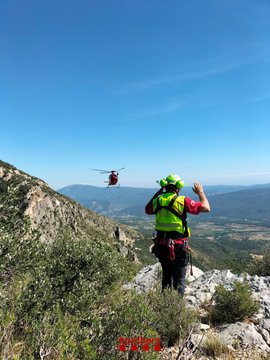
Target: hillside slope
{"type": "Point", "coordinates": [30, 208]}
{"type": "Point", "coordinates": [59, 262]}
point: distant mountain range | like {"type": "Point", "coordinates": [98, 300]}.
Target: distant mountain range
{"type": "Point", "coordinates": [237, 202]}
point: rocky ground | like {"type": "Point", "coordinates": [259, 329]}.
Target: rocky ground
{"type": "Point", "coordinates": [240, 340]}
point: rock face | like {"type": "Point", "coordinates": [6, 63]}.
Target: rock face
{"type": "Point", "coordinates": [243, 334]}
{"type": "Point", "coordinates": [146, 279]}
{"type": "Point", "coordinates": [30, 208]}
{"type": "Point", "coordinates": [201, 287]}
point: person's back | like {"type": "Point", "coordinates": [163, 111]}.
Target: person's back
{"type": "Point", "coordinates": [172, 231]}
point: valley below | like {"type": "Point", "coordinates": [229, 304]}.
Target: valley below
{"type": "Point", "coordinates": [216, 243]}
{"type": "Point", "coordinates": [236, 229]}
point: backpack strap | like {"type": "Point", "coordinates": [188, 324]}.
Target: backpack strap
{"type": "Point", "coordinates": [169, 207]}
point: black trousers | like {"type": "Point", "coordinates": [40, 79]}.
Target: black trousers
{"type": "Point", "coordinates": [173, 271]}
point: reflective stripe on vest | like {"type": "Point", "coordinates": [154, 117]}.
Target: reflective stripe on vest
{"type": "Point", "coordinates": [170, 213]}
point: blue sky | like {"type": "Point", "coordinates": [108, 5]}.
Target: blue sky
{"type": "Point", "coordinates": [157, 87]}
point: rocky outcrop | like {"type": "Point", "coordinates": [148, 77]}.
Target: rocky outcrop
{"type": "Point", "coordinates": [246, 337]}
{"type": "Point", "coordinates": [242, 334]}
{"type": "Point", "coordinates": [202, 289]}
{"type": "Point", "coordinates": [146, 279]}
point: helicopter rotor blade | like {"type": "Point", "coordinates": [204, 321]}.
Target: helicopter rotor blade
{"type": "Point", "coordinates": [101, 171]}
{"type": "Point", "coordinates": [120, 169]}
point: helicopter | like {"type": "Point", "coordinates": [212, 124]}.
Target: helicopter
{"type": "Point", "coordinates": [113, 177]}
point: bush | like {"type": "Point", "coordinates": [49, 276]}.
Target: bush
{"type": "Point", "coordinates": [131, 315]}
{"type": "Point", "coordinates": [261, 267]}
{"type": "Point", "coordinates": [233, 305]}
{"type": "Point", "coordinates": [73, 274]}
{"type": "Point", "coordinates": [56, 335]}
{"type": "Point", "coordinates": [3, 187]}
{"type": "Point", "coordinates": [127, 315]}
{"type": "Point", "coordinates": [47, 291]}
{"type": "Point", "coordinates": [173, 320]}
{"type": "Point", "coordinates": [18, 256]}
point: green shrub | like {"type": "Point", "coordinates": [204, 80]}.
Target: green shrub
{"type": "Point", "coordinates": [173, 320]}
{"type": "Point", "coordinates": [233, 305]}
{"type": "Point", "coordinates": [56, 334]}
{"type": "Point", "coordinates": [18, 256]}
{"type": "Point", "coordinates": [261, 267]}
{"type": "Point", "coordinates": [127, 315]}
{"type": "Point", "coordinates": [131, 315]}
{"type": "Point", "coordinates": [46, 292]}
{"type": "Point", "coordinates": [3, 187]}
{"type": "Point", "coordinates": [73, 274]}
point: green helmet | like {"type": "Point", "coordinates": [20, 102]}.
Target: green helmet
{"type": "Point", "coordinates": [172, 179]}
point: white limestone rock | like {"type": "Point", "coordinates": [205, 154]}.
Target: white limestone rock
{"type": "Point", "coordinates": [146, 278]}
{"type": "Point", "coordinates": [242, 334]}
{"type": "Point", "coordinates": [196, 272]}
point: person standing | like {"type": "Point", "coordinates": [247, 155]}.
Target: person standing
{"type": "Point", "coordinates": [172, 231]}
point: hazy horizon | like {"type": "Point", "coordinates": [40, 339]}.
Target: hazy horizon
{"type": "Point", "coordinates": [156, 186]}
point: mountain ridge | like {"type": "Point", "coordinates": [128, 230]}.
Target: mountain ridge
{"type": "Point", "coordinates": [131, 201]}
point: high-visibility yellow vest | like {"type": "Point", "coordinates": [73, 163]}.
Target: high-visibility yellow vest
{"type": "Point", "coordinates": [170, 213]}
